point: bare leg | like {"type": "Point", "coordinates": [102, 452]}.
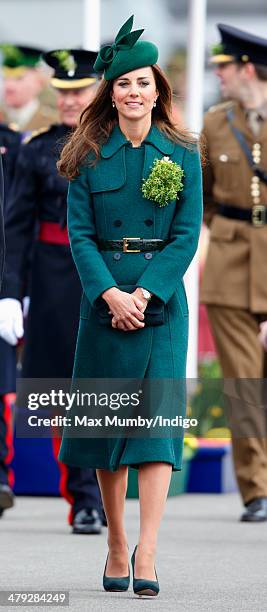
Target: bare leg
{"type": "Point", "coordinates": [113, 487]}
{"type": "Point", "coordinates": [153, 482]}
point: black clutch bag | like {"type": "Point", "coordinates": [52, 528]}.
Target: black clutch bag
{"type": "Point", "coordinates": [154, 312]}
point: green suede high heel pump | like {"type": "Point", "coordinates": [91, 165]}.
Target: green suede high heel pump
{"type": "Point", "coordinates": [142, 586]}
{"type": "Point", "coordinates": [115, 583]}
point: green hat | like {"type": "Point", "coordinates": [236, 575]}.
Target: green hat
{"type": "Point", "coordinates": [16, 58]}
{"type": "Point", "coordinates": [126, 53]}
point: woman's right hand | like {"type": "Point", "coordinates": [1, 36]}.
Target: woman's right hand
{"type": "Point", "coordinates": [126, 308]}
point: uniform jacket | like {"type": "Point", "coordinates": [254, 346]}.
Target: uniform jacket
{"type": "Point", "coordinates": [39, 194]}
{"type": "Point", "coordinates": [237, 254]}
{"type": "Point", "coordinates": [43, 117]}
{"type": "Point", "coordinates": [2, 235]}
{"type": "Point", "coordinates": [9, 148]}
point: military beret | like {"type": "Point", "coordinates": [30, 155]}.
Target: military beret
{"type": "Point", "coordinates": [73, 68]}
{"type": "Point", "coordinates": [239, 46]}
{"type": "Point", "coordinates": [126, 53]}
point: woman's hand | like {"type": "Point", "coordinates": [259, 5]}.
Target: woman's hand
{"type": "Point", "coordinates": [138, 293]}
{"type": "Point", "coordinates": [127, 308]}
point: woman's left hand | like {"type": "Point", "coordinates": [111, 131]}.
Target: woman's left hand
{"type": "Point", "coordinates": [119, 324]}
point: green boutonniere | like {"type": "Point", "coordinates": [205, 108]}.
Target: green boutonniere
{"type": "Point", "coordinates": [164, 181]}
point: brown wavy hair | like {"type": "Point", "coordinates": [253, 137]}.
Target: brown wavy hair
{"type": "Point", "coordinates": [99, 117]}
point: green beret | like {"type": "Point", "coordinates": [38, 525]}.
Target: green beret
{"type": "Point", "coordinates": [126, 53]}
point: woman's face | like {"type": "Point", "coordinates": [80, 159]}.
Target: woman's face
{"type": "Point", "coordinates": [134, 93]}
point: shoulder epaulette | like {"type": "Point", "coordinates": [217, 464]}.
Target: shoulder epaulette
{"type": "Point", "coordinates": [221, 106]}
{"type": "Point", "coordinates": [35, 134]}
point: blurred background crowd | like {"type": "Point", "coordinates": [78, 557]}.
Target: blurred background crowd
{"type": "Point", "coordinates": [60, 23]}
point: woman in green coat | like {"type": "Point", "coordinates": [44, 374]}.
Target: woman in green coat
{"type": "Point", "coordinates": [132, 173]}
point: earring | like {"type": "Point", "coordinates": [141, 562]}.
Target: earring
{"type": "Point", "coordinates": [155, 103]}
{"type": "Point", "coordinates": [113, 104]}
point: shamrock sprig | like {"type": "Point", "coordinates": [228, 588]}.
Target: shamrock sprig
{"type": "Point", "coordinates": [164, 181]}
{"type": "Point", "coordinates": [217, 49]}
{"type": "Point", "coordinates": [66, 61]}
{"type": "Point", "coordinates": [13, 57]}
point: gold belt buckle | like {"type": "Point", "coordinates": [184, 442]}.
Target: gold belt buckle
{"type": "Point", "coordinates": [258, 215]}
{"type": "Point", "coordinates": [125, 245]}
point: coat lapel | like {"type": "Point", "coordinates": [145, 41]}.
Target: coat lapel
{"type": "Point", "coordinates": [159, 141]}
{"type": "Point", "coordinates": [158, 146]}
{"type": "Point", "coordinates": [117, 140]}
{"type": "Point", "coordinates": [114, 143]}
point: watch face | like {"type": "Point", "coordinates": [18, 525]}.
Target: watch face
{"type": "Point", "coordinates": [146, 294]}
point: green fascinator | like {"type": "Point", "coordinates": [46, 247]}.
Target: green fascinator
{"type": "Point", "coordinates": [126, 53]}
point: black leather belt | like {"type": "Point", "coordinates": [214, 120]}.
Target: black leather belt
{"type": "Point", "coordinates": [257, 215]}
{"type": "Point", "coordinates": [133, 245]}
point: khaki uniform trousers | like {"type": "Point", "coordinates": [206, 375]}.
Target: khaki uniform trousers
{"type": "Point", "coordinates": [242, 357]}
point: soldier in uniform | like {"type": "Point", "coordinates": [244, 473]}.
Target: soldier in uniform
{"type": "Point", "coordinates": [23, 80]}
{"type": "Point", "coordinates": [2, 256]}
{"type": "Point", "coordinates": [9, 146]}
{"type": "Point", "coordinates": [233, 285]}
{"type": "Point", "coordinates": [2, 237]}
{"type": "Point", "coordinates": [38, 194]}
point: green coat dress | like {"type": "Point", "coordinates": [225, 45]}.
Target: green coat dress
{"type": "Point", "coordinates": [106, 202]}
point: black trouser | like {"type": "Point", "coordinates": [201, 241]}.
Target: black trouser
{"type": "Point", "coordinates": [83, 487]}
{"type": "Point", "coordinates": [7, 385]}
{"type": "Point", "coordinates": [3, 444]}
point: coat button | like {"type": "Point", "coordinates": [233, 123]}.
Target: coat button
{"type": "Point", "coordinates": [117, 256]}
{"type": "Point", "coordinates": [223, 157]}
{"type": "Point", "coordinates": [148, 255]}
{"type": "Point", "coordinates": [117, 223]}
{"type": "Point", "coordinates": [148, 222]}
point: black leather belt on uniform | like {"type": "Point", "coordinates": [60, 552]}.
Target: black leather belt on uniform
{"type": "Point", "coordinates": [257, 215]}
{"type": "Point", "coordinates": [133, 245]}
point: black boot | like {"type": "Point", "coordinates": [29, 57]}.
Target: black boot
{"type": "Point", "coordinates": [87, 521]}
{"type": "Point", "coordinates": [6, 498]}
{"type": "Point", "coordinates": [256, 511]}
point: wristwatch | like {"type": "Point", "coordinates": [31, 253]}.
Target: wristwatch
{"type": "Point", "coordinates": [146, 294]}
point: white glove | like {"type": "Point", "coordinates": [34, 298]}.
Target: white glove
{"type": "Point", "coordinates": [11, 320]}
{"type": "Point", "coordinates": [263, 334]}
